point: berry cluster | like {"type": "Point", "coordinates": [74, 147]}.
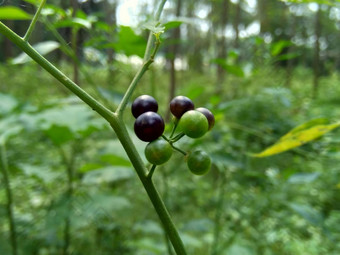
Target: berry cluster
{"type": "Point", "coordinates": [194, 123]}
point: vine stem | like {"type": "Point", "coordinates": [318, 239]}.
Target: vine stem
{"type": "Point", "coordinates": [34, 21]}
{"type": "Point", "coordinates": [10, 213]}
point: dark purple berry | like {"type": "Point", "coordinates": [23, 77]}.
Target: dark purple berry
{"type": "Point", "coordinates": [149, 126]}
{"type": "Point", "coordinates": [144, 103]}
{"type": "Point", "coordinates": [210, 117]}
{"type": "Point", "coordinates": [179, 105]}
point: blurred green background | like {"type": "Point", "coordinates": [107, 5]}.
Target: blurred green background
{"type": "Point", "coordinates": [262, 67]}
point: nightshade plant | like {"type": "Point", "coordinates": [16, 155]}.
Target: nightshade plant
{"type": "Point", "coordinates": [115, 118]}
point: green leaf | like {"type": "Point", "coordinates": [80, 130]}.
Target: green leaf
{"type": "Point", "coordinates": [154, 27]}
{"type": "Point", "coordinates": [301, 178]}
{"type": "Point", "coordinates": [108, 175]}
{"type": "Point", "coordinates": [307, 212]}
{"type": "Point", "coordinates": [74, 22]}
{"type": "Point", "coordinates": [172, 24]}
{"type": "Point", "coordinates": [297, 137]}
{"type": "Point", "coordinates": [232, 69]}
{"type": "Point", "coordinates": [7, 104]}
{"type": "Point", "coordinates": [277, 47]}
{"type": "Point", "coordinates": [13, 13]}
{"type": "Point", "coordinates": [115, 160]}
{"type": "Point", "coordinates": [59, 134]}
{"type": "Point", "coordinates": [128, 42]}
{"type": "Point", "coordinates": [43, 48]}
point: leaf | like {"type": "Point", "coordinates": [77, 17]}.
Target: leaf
{"type": "Point", "coordinates": [7, 104]}
{"type": "Point", "coordinates": [297, 137]}
{"type": "Point", "coordinates": [115, 160]}
{"type": "Point", "coordinates": [154, 27]}
{"type": "Point", "coordinates": [232, 69]}
{"type": "Point", "coordinates": [305, 125]}
{"type": "Point", "coordinates": [41, 173]}
{"type": "Point", "coordinates": [172, 24]}
{"type": "Point", "coordinates": [277, 47]}
{"type": "Point", "coordinates": [307, 212]}
{"type": "Point", "coordinates": [43, 48]}
{"type": "Point", "coordinates": [59, 134]}
{"type": "Point", "coordinates": [13, 13]}
{"type": "Point", "coordinates": [107, 175]}
{"type": "Point", "coordinates": [128, 42]}
{"type": "Point", "coordinates": [301, 178]}
{"type": "Point", "coordinates": [73, 22]}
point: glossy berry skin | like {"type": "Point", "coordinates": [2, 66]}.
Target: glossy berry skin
{"type": "Point", "coordinates": [158, 152]}
{"type": "Point", "coordinates": [199, 162]}
{"type": "Point", "coordinates": [194, 124]}
{"type": "Point", "coordinates": [142, 104]}
{"type": "Point", "coordinates": [179, 105]}
{"type": "Point", "coordinates": [210, 117]}
{"type": "Point", "coordinates": [149, 126]}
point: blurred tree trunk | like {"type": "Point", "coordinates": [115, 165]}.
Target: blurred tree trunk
{"type": "Point", "coordinates": [111, 20]}
{"type": "Point", "coordinates": [221, 42]}
{"type": "Point", "coordinates": [290, 50]}
{"type": "Point", "coordinates": [316, 60]}
{"type": "Point", "coordinates": [74, 42]}
{"type": "Point", "coordinates": [262, 15]}
{"type": "Point", "coordinates": [236, 24]}
{"type": "Point", "coordinates": [173, 53]}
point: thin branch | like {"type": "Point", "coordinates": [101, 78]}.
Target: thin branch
{"type": "Point", "coordinates": [152, 170]}
{"type": "Point", "coordinates": [34, 21]}
{"type": "Point", "coordinates": [151, 38]}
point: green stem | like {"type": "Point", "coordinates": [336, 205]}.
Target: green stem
{"type": "Point", "coordinates": [34, 21]}
{"type": "Point", "coordinates": [10, 213]}
{"type": "Point", "coordinates": [174, 128]}
{"type": "Point", "coordinates": [130, 90]}
{"type": "Point", "coordinates": [151, 38]}
{"type": "Point", "coordinates": [55, 72]}
{"type": "Point", "coordinates": [152, 170]}
{"type": "Point", "coordinates": [177, 137]}
{"type": "Point", "coordinates": [178, 149]}
{"type": "Point", "coordinates": [122, 134]}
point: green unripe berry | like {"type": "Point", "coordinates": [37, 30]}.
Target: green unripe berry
{"type": "Point", "coordinates": [194, 124]}
{"type": "Point", "coordinates": [158, 152]}
{"type": "Point", "coordinates": [199, 162]}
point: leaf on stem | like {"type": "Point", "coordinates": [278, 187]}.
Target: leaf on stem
{"type": "Point", "coordinates": [13, 13]}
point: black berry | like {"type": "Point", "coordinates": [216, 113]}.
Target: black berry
{"type": "Point", "coordinates": [179, 105]}
{"type": "Point", "coordinates": [149, 126]}
{"type": "Point", "coordinates": [142, 104]}
{"type": "Point", "coordinates": [210, 117]}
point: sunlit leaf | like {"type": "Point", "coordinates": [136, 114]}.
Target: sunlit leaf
{"type": "Point", "coordinates": [13, 13]}
{"type": "Point", "coordinates": [297, 138]}
{"type": "Point", "coordinates": [154, 27]}
{"type": "Point", "coordinates": [232, 69]}
{"type": "Point", "coordinates": [43, 48]}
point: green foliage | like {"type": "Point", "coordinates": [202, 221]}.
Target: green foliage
{"type": "Point", "coordinates": [13, 13]}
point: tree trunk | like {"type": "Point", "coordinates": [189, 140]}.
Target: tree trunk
{"type": "Point", "coordinates": [316, 61]}
{"type": "Point", "coordinates": [237, 24]}
{"type": "Point", "coordinates": [221, 43]}
{"type": "Point", "coordinates": [111, 20]}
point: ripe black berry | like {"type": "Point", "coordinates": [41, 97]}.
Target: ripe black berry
{"type": "Point", "coordinates": [179, 105]}
{"type": "Point", "coordinates": [144, 103]}
{"type": "Point", "coordinates": [209, 115]}
{"type": "Point", "coordinates": [149, 126]}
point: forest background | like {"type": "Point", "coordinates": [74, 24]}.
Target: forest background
{"type": "Point", "coordinates": [262, 67]}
